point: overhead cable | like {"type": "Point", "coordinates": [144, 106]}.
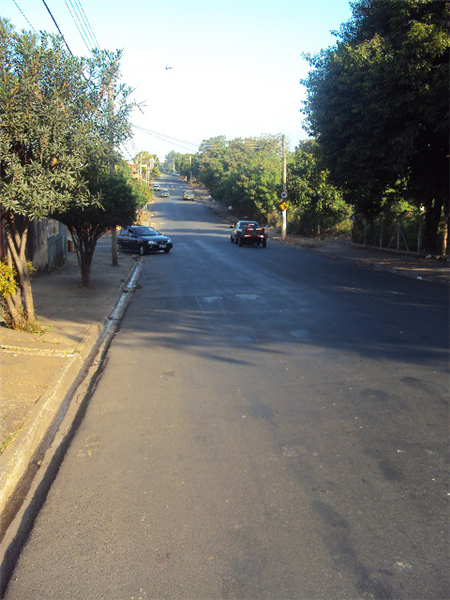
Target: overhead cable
{"type": "Point", "coordinates": [86, 20]}
{"type": "Point", "coordinates": [23, 15]}
{"type": "Point", "coordinates": [151, 132]}
{"type": "Point", "coordinates": [79, 25]}
{"type": "Point", "coordinates": [167, 139]}
{"type": "Point", "coordinates": [57, 27]}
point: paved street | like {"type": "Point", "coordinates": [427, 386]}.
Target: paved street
{"type": "Point", "coordinates": [270, 424]}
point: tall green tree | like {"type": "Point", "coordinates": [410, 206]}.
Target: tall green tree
{"type": "Point", "coordinates": [184, 164]}
{"type": "Point", "coordinates": [149, 163]}
{"type": "Point", "coordinates": [113, 109]}
{"type": "Point", "coordinates": [57, 133]}
{"type": "Point", "coordinates": [170, 161]}
{"type": "Point", "coordinates": [42, 133]}
{"type": "Point", "coordinates": [243, 173]}
{"type": "Point", "coordinates": [118, 202]}
{"type": "Point", "coordinates": [316, 205]}
{"type": "Point", "coordinates": [377, 103]}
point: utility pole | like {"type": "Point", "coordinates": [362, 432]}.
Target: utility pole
{"type": "Point", "coordinates": [284, 192]}
{"type": "Point", "coordinates": [112, 166]}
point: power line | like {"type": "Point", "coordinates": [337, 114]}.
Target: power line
{"type": "Point", "coordinates": [86, 20]}
{"type": "Point", "coordinates": [250, 144]}
{"type": "Point", "coordinates": [168, 139]}
{"type": "Point", "coordinates": [23, 14]}
{"type": "Point", "coordinates": [57, 27]}
{"type": "Point", "coordinates": [151, 132]}
{"type": "Point", "coordinates": [79, 25]}
{"type": "Point", "coordinates": [127, 152]}
{"type": "Point", "coordinates": [76, 21]}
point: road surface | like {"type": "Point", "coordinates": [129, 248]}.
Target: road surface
{"type": "Point", "coordinates": [270, 424]}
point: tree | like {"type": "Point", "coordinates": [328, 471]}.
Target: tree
{"type": "Point", "coordinates": [57, 131]}
{"type": "Point", "coordinates": [117, 205]}
{"type": "Point", "coordinates": [170, 161]}
{"type": "Point", "coordinates": [184, 163]}
{"type": "Point", "coordinates": [243, 173]}
{"type": "Point", "coordinates": [148, 164]}
{"type": "Point", "coordinates": [316, 204]}
{"type": "Point", "coordinates": [113, 109]}
{"type": "Point", "coordinates": [377, 103]}
{"type": "Point", "coordinates": [43, 125]}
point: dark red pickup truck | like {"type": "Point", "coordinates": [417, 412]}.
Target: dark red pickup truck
{"type": "Point", "coordinates": [248, 232]}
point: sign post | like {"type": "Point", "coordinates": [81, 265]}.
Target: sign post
{"type": "Point", "coordinates": [283, 207]}
{"type": "Point", "coordinates": [284, 194]}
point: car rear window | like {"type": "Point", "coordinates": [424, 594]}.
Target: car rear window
{"type": "Point", "coordinates": [250, 224]}
{"type": "Point", "coordinates": [144, 231]}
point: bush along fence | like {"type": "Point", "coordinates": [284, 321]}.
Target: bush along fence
{"type": "Point", "coordinates": [402, 232]}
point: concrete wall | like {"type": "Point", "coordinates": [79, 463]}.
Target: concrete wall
{"type": "Point", "coordinates": [56, 243]}
{"type": "Point", "coordinates": [2, 237]}
{"type": "Point", "coordinates": [47, 244]}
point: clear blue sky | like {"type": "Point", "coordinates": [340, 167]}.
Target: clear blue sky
{"type": "Point", "coordinates": [237, 65]}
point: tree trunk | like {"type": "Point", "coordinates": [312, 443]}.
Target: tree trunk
{"type": "Point", "coordinates": [446, 240]}
{"type": "Point", "coordinates": [433, 213]}
{"type": "Point", "coordinates": [20, 304]}
{"type": "Point", "coordinates": [420, 234]}
{"type": "Point", "coordinates": [85, 247]}
{"type": "Point", "coordinates": [115, 261]}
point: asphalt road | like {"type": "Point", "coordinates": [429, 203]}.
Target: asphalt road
{"type": "Point", "coordinates": [270, 424]}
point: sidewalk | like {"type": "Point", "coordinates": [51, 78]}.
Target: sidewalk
{"type": "Point", "coordinates": [432, 269]}
{"type": "Point", "coordinates": [37, 371]}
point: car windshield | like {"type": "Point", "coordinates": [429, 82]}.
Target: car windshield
{"type": "Point", "coordinates": [144, 231]}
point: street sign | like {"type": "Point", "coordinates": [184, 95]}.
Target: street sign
{"type": "Point", "coordinates": [283, 205]}
{"type": "Point", "coordinates": [284, 195]}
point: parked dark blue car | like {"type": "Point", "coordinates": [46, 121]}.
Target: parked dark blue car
{"type": "Point", "coordinates": [142, 239]}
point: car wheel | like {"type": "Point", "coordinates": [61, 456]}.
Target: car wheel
{"type": "Point", "coordinates": [141, 250]}
{"type": "Point", "coordinates": [166, 251]}
{"type": "Point", "coordinates": [264, 244]}
{"type": "Point", "coordinates": [239, 242]}
{"type": "Point", "coordinates": [119, 248]}
{"type": "Point", "coordinates": [231, 239]}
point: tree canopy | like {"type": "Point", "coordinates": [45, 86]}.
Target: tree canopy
{"type": "Point", "coordinates": [62, 118]}
{"type": "Point", "coordinates": [118, 202]}
{"type": "Point", "coordinates": [316, 205]}
{"type": "Point", "coordinates": [245, 173]}
{"type": "Point", "coordinates": [377, 103]}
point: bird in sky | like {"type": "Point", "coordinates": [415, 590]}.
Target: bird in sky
{"type": "Point", "coordinates": [167, 67]}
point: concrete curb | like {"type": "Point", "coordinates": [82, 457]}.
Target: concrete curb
{"type": "Point", "coordinates": [15, 459]}
{"type": "Point", "coordinates": [28, 468]}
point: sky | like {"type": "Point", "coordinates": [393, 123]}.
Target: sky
{"type": "Point", "coordinates": [236, 64]}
